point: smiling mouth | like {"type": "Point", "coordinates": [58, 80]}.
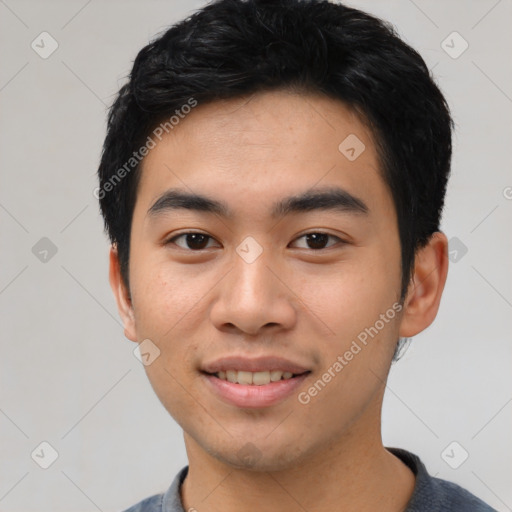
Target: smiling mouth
{"type": "Point", "coordinates": [254, 378]}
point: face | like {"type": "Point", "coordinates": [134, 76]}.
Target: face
{"type": "Point", "coordinates": [253, 281]}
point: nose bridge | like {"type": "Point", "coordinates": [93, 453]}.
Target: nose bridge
{"type": "Point", "coordinates": [251, 296]}
{"type": "Point", "coordinates": [252, 279]}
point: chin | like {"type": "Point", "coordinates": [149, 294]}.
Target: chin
{"type": "Point", "coordinates": [259, 456]}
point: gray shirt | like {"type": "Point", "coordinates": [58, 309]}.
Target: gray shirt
{"type": "Point", "coordinates": [430, 494]}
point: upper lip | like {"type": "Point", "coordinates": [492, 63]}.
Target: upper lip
{"type": "Point", "coordinates": [258, 364]}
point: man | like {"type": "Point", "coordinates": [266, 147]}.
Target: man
{"type": "Point", "coordinates": [272, 182]}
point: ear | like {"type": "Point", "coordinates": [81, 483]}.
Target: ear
{"type": "Point", "coordinates": [122, 296]}
{"type": "Point", "coordinates": [426, 286]}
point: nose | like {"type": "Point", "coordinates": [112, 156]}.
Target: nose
{"type": "Point", "coordinates": [254, 298]}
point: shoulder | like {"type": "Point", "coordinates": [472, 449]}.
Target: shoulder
{"type": "Point", "coordinates": [169, 501]}
{"type": "Point", "coordinates": [457, 498]}
{"type": "Point", "coordinates": [435, 494]}
{"type": "Point", "coordinates": [151, 504]}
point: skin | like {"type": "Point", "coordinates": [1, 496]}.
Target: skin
{"type": "Point", "coordinates": [294, 301]}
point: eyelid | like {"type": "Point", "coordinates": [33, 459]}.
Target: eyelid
{"type": "Point", "coordinates": [319, 232]}
{"type": "Point", "coordinates": [313, 231]}
{"type": "Point", "coordinates": [170, 240]}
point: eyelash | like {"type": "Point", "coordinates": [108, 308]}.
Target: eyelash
{"type": "Point", "coordinates": [171, 240]}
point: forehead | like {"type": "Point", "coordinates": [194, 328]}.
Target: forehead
{"type": "Point", "coordinates": [264, 144]}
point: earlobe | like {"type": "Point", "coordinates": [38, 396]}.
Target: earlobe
{"type": "Point", "coordinates": [426, 287]}
{"type": "Point", "coordinates": [122, 296]}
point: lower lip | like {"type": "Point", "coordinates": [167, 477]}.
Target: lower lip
{"type": "Point", "coordinates": [253, 396]}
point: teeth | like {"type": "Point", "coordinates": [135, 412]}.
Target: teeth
{"type": "Point", "coordinates": [254, 378]}
{"type": "Point", "coordinates": [261, 378]}
{"type": "Point", "coordinates": [275, 375]}
{"type": "Point", "coordinates": [244, 378]}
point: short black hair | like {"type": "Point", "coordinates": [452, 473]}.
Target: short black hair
{"type": "Point", "coordinates": [234, 48]}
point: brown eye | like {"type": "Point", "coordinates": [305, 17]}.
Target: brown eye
{"type": "Point", "coordinates": [192, 241]}
{"type": "Point", "coordinates": [318, 240]}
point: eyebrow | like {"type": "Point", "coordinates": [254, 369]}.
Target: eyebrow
{"type": "Point", "coordinates": [333, 199]}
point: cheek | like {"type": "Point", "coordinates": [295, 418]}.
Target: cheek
{"type": "Point", "coordinates": [353, 314]}
{"type": "Point", "coordinates": [163, 296]}
{"type": "Point", "coordinates": [166, 302]}
{"type": "Point", "coordinates": [168, 310]}
{"type": "Point", "coordinates": [348, 296]}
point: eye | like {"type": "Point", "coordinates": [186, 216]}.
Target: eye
{"type": "Point", "coordinates": [192, 240]}
{"type": "Point", "coordinates": [318, 240]}
{"type": "Point", "coordinates": [195, 241]}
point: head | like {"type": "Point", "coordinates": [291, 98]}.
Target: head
{"type": "Point", "coordinates": [266, 108]}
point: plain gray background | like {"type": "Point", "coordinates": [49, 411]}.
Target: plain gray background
{"type": "Point", "coordinates": [68, 375]}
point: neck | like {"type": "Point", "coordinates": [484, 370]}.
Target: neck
{"type": "Point", "coordinates": [354, 473]}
